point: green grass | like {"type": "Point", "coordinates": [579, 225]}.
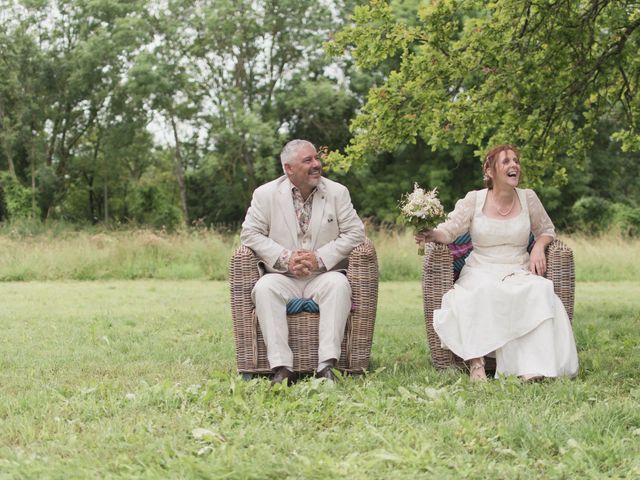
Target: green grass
{"type": "Point", "coordinates": [605, 258]}
{"type": "Point", "coordinates": [60, 253]}
{"type": "Point", "coordinates": [127, 255]}
{"type": "Point", "coordinates": [110, 380]}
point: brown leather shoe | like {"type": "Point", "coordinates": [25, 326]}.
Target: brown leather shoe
{"type": "Point", "coordinates": [327, 373]}
{"type": "Point", "coordinates": [283, 374]}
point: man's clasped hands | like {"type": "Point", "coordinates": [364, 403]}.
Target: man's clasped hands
{"type": "Point", "coordinates": [302, 263]}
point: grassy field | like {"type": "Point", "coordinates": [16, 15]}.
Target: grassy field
{"type": "Point", "coordinates": [64, 254]}
{"type": "Point", "coordinates": [135, 379]}
{"type": "Point", "coordinates": [111, 255]}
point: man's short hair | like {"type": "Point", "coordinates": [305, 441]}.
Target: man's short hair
{"type": "Point", "coordinates": [291, 148]}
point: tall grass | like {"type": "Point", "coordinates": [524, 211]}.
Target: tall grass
{"type": "Point", "coordinates": [59, 252]}
{"type": "Point", "coordinates": [609, 258]}
{"type": "Point", "coordinates": [115, 255]}
{"type": "Point", "coordinates": [397, 252]}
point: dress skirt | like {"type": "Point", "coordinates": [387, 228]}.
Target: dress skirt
{"type": "Point", "coordinates": [512, 313]}
{"type": "Point", "coordinates": [497, 306]}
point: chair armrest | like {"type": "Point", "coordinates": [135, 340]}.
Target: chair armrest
{"type": "Point", "coordinates": [437, 279]}
{"type": "Point", "coordinates": [363, 278]}
{"type": "Point", "coordinates": [561, 271]}
{"type": "Point", "coordinates": [243, 275]}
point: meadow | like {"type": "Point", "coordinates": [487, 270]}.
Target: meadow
{"type": "Point", "coordinates": [136, 379]}
{"type": "Point", "coordinates": [60, 253]}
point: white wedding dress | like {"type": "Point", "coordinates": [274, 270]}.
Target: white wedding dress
{"type": "Point", "coordinates": [497, 305]}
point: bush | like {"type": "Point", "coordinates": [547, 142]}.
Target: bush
{"type": "Point", "coordinates": [626, 220]}
{"type": "Point", "coordinates": [152, 207]}
{"type": "Point", "coordinates": [16, 199]}
{"type": "Point", "coordinates": [591, 215]}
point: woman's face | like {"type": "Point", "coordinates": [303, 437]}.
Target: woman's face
{"type": "Point", "coordinates": [506, 169]}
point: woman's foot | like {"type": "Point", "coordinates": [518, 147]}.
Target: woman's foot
{"type": "Point", "coordinates": [534, 377]}
{"type": "Point", "coordinates": [476, 370]}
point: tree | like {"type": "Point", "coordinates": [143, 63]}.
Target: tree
{"type": "Point", "coordinates": [23, 92]}
{"type": "Point", "coordinates": [226, 81]}
{"type": "Point", "coordinates": [250, 66]}
{"type": "Point", "coordinates": [65, 61]}
{"type": "Point", "coordinates": [252, 52]}
{"type": "Point", "coordinates": [163, 78]}
{"type": "Point", "coordinates": [539, 74]}
{"type": "Point", "coordinates": [93, 43]}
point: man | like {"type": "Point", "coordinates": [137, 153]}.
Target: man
{"type": "Point", "coordinates": [302, 227]}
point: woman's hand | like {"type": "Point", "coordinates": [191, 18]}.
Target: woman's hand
{"type": "Point", "coordinates": [537, 258]}
{"type": "Point", "coordinates": [430, 236]}
{"type": "Point", "coordinates": [537, 261]}
{"type": "Point", "coordinates": [421, 237]}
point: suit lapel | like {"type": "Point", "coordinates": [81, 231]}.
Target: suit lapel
{"type": "Point", "coordinates": [285, 200]}
{"type": "Point", "coordinates": [319, 201]}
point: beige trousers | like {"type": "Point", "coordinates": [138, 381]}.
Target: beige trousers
{"type": "Point", "coordinates": [330, 290]}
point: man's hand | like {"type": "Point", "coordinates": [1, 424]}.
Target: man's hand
{"type": "Point", "coordinates": [302, 263]}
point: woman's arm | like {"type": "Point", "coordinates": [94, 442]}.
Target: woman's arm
{"type": "Point", "coordinates": [543, 231]}
{"type": "Point", "coordinates": [457, 222]}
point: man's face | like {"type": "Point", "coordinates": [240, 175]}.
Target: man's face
{"type": "Point", "coordinates": [305, 170]}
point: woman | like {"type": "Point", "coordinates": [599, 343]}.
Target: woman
{"type": "Point", "coordinates": [501, 304]}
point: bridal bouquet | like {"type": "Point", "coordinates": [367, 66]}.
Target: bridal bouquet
{"type": "Point", "coordinates": [422, 210]}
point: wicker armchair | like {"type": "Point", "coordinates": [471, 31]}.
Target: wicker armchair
{"type": "Point", "coordinates": [251, 354]}
{"type": "Point", "coordinates": [437, 279]}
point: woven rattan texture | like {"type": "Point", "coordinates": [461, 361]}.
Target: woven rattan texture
{"type": "Point", "coordinates": [437, 279]}
{"type": "Point", "coordinates": [251, 355]}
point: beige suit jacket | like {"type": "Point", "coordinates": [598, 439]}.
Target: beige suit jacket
{"type": "Point", "coordinates": [271, 225]}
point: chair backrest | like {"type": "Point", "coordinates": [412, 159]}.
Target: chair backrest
{"type": "Point", "coordinates": [462, 246]}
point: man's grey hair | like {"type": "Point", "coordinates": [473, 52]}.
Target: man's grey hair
{"type": "Point", "coordinates": [291, 148]}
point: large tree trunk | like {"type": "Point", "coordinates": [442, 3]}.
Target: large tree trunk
{"type": "Point", "coordinates": [92, 201]}
{"type": "Point", "coordinates": [180, 172]}
{"type": "Point", "coordinates": [5, 144]}
{"type": "Point", "coordinates": [105, 193]}
{"type": "Point", "coordinates": [12, 167]}
{"type": "Point", "coordinates": [34, 205]}
{"type": "Point", "coordinates": [106, 202]}
{"type": "Point", "coordinates": [51, 148]}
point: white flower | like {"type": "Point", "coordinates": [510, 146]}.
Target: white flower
{"type": "Point", "coordinates": [423, 205]}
